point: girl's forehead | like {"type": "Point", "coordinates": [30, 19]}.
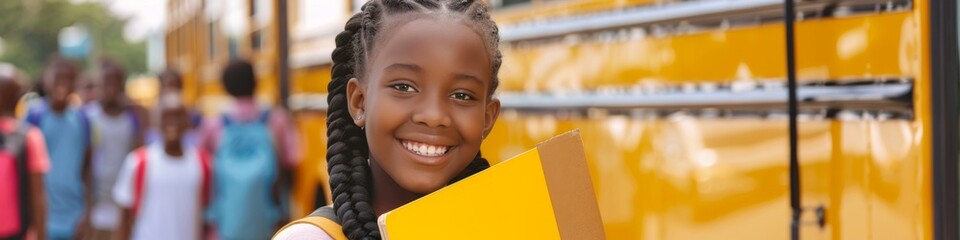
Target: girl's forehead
{"type": "Point", "coordinates": [173, 111]}
{"type": "Point", "coordinates": [407, 38]}
{"type": "Point", "coordinates": [61, 73]}
{"type": "Point", "coordinates": [429, 25]}
{"type": "Point", "coordinates": [170, 80]}
{"type": "Point", "coordinates": [112, 73]}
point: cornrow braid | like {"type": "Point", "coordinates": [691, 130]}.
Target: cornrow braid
{"type": "Point", "coordinates": [347, 146]}
{"type": "Point", "coordinates": [347, 149]}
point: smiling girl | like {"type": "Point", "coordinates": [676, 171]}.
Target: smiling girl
{"type": "Point", "coordinates": [411, 100]}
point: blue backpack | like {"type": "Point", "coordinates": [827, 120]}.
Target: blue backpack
{"type": "Point", "coordinates": [245, 169]}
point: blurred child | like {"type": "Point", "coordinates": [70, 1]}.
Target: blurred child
{"type": "Point", "coordinates": [23, 161]}
{"type": "Point", "coordinates": [87, 90]}
{"type": "Point", "coordinates": [162, 187]}
{"type": "Point", "coordinates": [117, 130]}
{"type": "Point", "coordinates": [67, 133]}
{"type": "Point", "coordinates": [172, 83]}
{"type": "Point", "coordinates": [251, 146]}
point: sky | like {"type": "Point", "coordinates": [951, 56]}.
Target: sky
{"type": "Point", "coordinates": [148, 16]}
{"type": "Point", "coordinates": [145, 15]}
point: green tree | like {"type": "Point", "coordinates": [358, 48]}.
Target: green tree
{"type": "Point", "coordinates": [30, 30]}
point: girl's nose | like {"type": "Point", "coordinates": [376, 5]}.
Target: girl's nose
{"type": "Point", "coordinates": [431, 113]}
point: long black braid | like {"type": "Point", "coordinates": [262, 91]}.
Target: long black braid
{"type": "Point", "coordinates": [347, 150]}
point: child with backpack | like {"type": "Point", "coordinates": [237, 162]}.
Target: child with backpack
{"type": "Point", "coordinates": [171, 82]}
{"type": "Point", "coordinates": [66, 130]}
{"type": "Point", "coordinates": [411, 98]}
{"type": "Point", "coordinates": [23, 161]}
{"type": "Point", "coordinates": [252, 147]}
{"type": "Point", "coordinates": [163, 188]}
{"type": "Point", "coordinates": [117, 129]}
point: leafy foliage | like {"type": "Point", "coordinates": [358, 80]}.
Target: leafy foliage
{"type": "Point", "coordinates": [30, 28]}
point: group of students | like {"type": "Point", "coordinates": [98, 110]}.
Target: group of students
{"type": "Point", "coordinates": [99, 169]}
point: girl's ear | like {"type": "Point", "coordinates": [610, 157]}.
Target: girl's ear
{"type": "Point", "coordinates": [490, 116]}
{"type": "Point", "coordinates": [355, 101]}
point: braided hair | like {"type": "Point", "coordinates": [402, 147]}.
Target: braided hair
{"type": "Point", "coordinates": [347, 149]}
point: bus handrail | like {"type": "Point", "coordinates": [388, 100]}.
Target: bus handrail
{"type": "Point", "coordinates": [660, 14]}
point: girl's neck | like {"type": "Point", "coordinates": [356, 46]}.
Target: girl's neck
{"type": "Point", "coordinates": [112, 109]}
{"type": "Point", "coordinates": [387, 194]}
{"type": "Point", "coordinates": [174, 150]}
{"type": "Point", "coordinates": [58, 109]}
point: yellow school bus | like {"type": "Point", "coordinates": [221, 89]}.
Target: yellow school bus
{"type": "Point", "coordinates": [682, 106]}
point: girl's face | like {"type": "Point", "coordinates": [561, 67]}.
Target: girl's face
{"type": "Point", "coordinates": [60, 84]}
{"type": "Point", "coordinates": [112, 87]}
{"type": "Point", "coordinates": [10, 92]}
{"type": "Point", "coordinates": [424, 101]}
{"type": "Point", "coordinates": [174, 122]}
{"type": "Point", "coordinates": [171, 84]}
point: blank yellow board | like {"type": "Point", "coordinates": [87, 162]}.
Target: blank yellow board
{"type": "Point", "coordinates": [543, 193]}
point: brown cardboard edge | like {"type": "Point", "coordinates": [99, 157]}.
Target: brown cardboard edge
{"type": "Point", "coordinates": [382, 225]}
{"type": "Point", "coordinates": [570, 187]}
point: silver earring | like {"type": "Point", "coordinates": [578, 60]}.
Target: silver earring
{"type": "Point", "coordinates": [360, 117]}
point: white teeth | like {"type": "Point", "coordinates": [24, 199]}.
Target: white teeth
{"type": "Point", "coordinates": [425, 149]}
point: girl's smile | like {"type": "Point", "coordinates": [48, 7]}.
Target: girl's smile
{"type": "Point", "coordinates": [429, 154]}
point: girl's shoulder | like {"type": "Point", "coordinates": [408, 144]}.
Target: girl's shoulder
{"type": "Point", "coordinates": [302, 231]}
{"type": "Point", "coordinates": [321, 224]}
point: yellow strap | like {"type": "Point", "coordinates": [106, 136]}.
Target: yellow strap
{"type": "Point", "coordinates": [328, 226]}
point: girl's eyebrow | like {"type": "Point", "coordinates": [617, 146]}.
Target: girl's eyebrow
{"type": "Point", "coordinates": [404, 66]}
{"type": "Point", "coordinates": [417, 69]}
{"type": "Point", "coordinates": [467, 76]}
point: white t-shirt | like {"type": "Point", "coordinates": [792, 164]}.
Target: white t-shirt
{"type": "Point", "coordinates": [171, 204]}
{"type": "Point", "coordinates": [114, 138]}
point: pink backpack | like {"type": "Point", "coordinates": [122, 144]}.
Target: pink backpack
{"type": "Point", "coordinates": [15, 201]}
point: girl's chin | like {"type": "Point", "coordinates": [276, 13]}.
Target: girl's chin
{"type": "Point", "coordinates": [424, 188]}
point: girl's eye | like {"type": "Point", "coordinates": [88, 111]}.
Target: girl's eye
{"type": "Point", "coordinates": [403, 87]}
{"type": "Point", "coordinates": [462, 96]}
